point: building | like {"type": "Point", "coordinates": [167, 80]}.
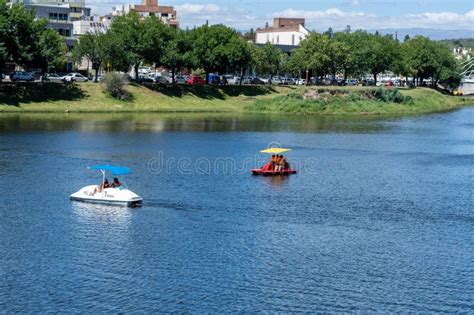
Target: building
{"type": "Point", "coordinates": [285, 32]}
{"type": "Point", "coordinates": [150, 8]}
{"type": "Point", "coordinates": [61, 15]}
{"type": "Point", "coordinates": [462, 53]}
{"type": "Point", "coordinates": [95, 24]}
{"type": "Point", "coordinates": [77, 8]}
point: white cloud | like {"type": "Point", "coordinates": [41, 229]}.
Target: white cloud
{"type": "Point", "coordinates": [189, 8]}
{"type": "Point", "coordinates": [191, 14]}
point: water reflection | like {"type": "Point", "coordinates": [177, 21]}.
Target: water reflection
{"type": "Point", "coordinates": [102, 214]}
{"type": "Point", "coordinates": [200, 122]}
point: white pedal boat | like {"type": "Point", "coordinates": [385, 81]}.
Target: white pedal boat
{"type": "Point", "coordinates": [112, 196]}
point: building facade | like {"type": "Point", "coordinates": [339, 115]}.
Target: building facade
{"type": "Point", "coordinates": [150, 8]}
{"type": "Point", "coordinates": [285, 31]}
{"type": "Point", "coordinates": [95, 24]}
{"type": "Point", "coordinates": [60, 14]}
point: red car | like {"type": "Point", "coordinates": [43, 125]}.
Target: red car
{"type": "Point", "coordinates": [195, 80]}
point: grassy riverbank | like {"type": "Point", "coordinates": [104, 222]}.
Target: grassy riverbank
{"type": "Point", "coordinates": [360, 100]}
{"type": "Point", "coordinates": [89, 97]}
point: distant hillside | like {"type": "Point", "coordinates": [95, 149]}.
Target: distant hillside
{"type": "Point", "coordinates": [431, 33]}
{"type": "Point", "coordinates": [434, 34]}
{"type": "Point", "coordinates": [461, 42]}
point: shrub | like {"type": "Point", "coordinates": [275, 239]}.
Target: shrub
{"type": "Point", "coordinates": [389, 95]}
{"type": "Point", "coordinates": [113, 84]}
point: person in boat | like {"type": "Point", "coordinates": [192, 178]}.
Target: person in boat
{"type": "Point", "coordinates": [101, 187]}
{"type": "Point", "coordinates": [270, 166]}
{"type": "Point", "coordinates": [285, 164]}
{"type": "Point", "coordinates": [279, 165]}
{"type": "Point", "coordinates": [116, 183]}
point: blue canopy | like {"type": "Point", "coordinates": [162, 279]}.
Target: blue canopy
{"type": "Point", "coordinates": [115, 170]}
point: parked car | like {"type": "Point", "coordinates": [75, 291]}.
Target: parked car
{"type": "Point", "coordinates": [195, 80]}
{"type": "Point", "coordinates": [352, 82]}
{"type": "Point", "coordinates": [21, 76]}
{"type": "Point", "coordinates": [231, 79]}
{"type": "Point", "coordinates": [37, 75]}
{"type": "Point", "coordinates": [256, 81]}
{"type": "Point", "coordinates": [75, 77]}
{"type": "Point", "coordinates": [368, 82]}
{"type": "Point", "coordinates": [247, 80]}
{"type": "Point", "coordinates": [53, 77]}
{"type": "Point", "coordinates": [265, 80]}
{"type": "Point", "coordinates": [275, 80]}
{"type": "Point", "coordinates": [162, 80]}
{"type": "Point", "coordinates": [286, 81]}
{"type": "Point", "coordinates": [300, 81]}
{"type": "Point", "coordinates": [180, 79]}
{"type": "Point", "coordinates": [388, 83]}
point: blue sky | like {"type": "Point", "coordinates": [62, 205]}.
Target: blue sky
{"type": "Point", "coordinates": [320, 14]}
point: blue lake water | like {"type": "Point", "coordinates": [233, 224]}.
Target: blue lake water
{"type": "Point", "coordinates": [379, 219]}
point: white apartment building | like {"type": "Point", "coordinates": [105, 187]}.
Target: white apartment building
{"type": "Point", "coordinates": [285, 31]}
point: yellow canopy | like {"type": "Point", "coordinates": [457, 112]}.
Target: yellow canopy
{"type": "Point", "coordinates": [275, 150]}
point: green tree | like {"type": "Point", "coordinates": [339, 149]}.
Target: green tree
{"type": "Point", "coordinates": [127, 46]}
{"type": "Point", "coordinates": [314, 54]}
{"type": "Point", "coordinates": [424, 58]}
{"type": "Point", "coordinates": [92, 46]}
{"type": "Point", "coordinates": [268, 59]}
{"type": "Point", "coordinates": [178, 52]}
{"type": "Point", "coordinates": [419, 58]}
{"type": "Point", "coordinates": [4, 53]}
{"type": "Point", "coordinates": [50, 51]}
{"type": "Point", "coordinates": [344, 56]}
{"type": "Point", "coordinates": [21, 30]}
{"type": "Point", "coordinates": [213, 47]}
{"type": "Point", "coordinates": [373, 53]}
{"type": "Point", "coordinates": [240, 55]}
{"type": "Point", "coordinates": [156, 36]}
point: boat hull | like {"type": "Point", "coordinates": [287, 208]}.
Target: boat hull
{"type": "Point", "coordinates": [273, 173]}
{"type": "Point", "coordinates": [109, 196]}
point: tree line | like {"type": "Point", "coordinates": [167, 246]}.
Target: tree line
{"type": "Point", "coordinates": [132, 41]}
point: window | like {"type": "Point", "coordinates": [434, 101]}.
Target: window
{"type": "Point", "coordinates": [278, 39]}
{"type": "Point", "coordinates": [293, 40]}
{"type": "Point", "coordinates": [51, 16]}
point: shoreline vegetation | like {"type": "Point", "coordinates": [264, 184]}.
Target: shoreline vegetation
{"type": "Point", "coordinates": [316, 100]}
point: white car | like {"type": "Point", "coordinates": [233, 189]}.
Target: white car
{"type": "Point", "coordinates": [53, 77]}
{"type": "Point", "coordinates": [21, 76]}
{"type": "Point", "coordinates": [300, 82]}
{"type": "Point", "coordinates": [75, 77]}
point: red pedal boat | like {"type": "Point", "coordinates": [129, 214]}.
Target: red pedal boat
{"type": "Point", "coordinates": [261, 171]}
{"type": "Point", "coordinates": [275, 167]}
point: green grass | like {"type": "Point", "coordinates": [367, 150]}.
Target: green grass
{"type": "Point", "coordinates": [359, 100]}
{"type": "Point", "coordinates": [89, 97]}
